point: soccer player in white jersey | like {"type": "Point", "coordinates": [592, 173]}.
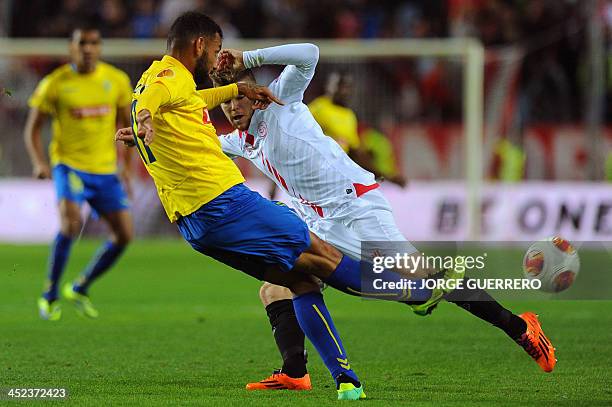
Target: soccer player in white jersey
{"type": "Point", "coordinates": [339, 201]}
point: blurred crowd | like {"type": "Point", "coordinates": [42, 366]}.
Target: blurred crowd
{"type": "Point", "coordinates": [552, 36]}
{"type": "Point", "coordinates": [496, 22]}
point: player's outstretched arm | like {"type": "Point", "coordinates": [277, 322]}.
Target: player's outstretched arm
{"type": "Point", "coordinates": [33, 142]}
{"type": "Point", "coordinates": [262, 96]}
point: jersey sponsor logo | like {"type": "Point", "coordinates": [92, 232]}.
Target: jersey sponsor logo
{"type": "Point", "coordinates": [90, 111]}
{"type": "Point", "coordinates": [168, 73]}
{"type": "Point", "coordinates": [262, 129]}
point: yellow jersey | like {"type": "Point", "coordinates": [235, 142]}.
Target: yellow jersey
{"type": "Point", "coordinates": [84, 112]}
{"type": "Point", "coordinates": [337, 122]}
{"type": "Point", "coordinates": [185, 158]}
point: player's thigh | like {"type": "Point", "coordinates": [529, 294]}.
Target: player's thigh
{"type": "Point", "coordinates": [297, 283]}
{"type": "Point", "coordinates": [341, 237]}
{"type": "Point", "coordinates": [260, 268]}
{"type": "Point", "coordinates": [69, 189]}
{"type": "Point", "coordinates": [319, 260]}
{"type": "Point", "coordinates": [70, 217]}
{"type": "Point", "coordinates": [106, 195]}
{"type": "Point", "coordinates": [121, 226]}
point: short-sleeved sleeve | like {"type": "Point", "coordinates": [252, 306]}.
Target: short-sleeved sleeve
{"type": "Point", "coordinates": [44, 96]}
{"type": "Point", "coordinates": [172, 82]}
{"type": "Point", "coordinates": [124, 97]}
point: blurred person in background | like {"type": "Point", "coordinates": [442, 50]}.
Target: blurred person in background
{"type": "Point", "coordinates": [146, 20]}
{"type": "Point", "coordinates": [339, 121]}
{"type": "Point", "coordinates": [86, 99]}
{"type": "Point", "coordinates": [113, 19]}
{"type": "Point", "coordinates": [380, 150]}
{"type": "Point", "coordinates": [508, 161]}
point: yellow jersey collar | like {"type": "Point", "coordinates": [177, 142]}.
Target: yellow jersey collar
{"type": "Point", "coordinates": [175, 62]}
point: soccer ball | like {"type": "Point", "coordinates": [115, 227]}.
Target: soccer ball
{"type": "Point", "coordinates": [554, 262]}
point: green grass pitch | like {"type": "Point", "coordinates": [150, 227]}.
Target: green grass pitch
{"type": "Point", "coordinates": [177, 328]}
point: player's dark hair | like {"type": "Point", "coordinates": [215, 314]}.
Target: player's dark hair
{"type": "Point", "coordinates": [226, 77]}
{"type": "Point", "coordinates": [87, 24]}
{"type": "Point", "coordinates": [190, 25]}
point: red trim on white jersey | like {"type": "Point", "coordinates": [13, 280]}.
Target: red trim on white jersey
{"type": "Point", "coordinates": [361, 189]}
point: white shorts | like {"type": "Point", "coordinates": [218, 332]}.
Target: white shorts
{"type": "Point", "coordinates": [365, 219]}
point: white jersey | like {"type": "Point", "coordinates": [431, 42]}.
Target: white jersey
{"type": "Point", "coordinates": [288, 145]}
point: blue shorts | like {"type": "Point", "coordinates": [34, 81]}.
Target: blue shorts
{"type": "Point", "coordinates": [103, 192]}
{"type": "Point", "coordinates": [246, 231]}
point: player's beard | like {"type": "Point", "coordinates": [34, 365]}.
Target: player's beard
{"type": "Point", "coordinates": [200, 71]}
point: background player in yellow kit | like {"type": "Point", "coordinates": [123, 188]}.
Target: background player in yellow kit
{"type": "Point", "coordinates": [86, 100]}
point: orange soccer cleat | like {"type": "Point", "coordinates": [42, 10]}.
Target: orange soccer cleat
{"type": "Point", "coordinates": [536, 344]}
{"type": "Point", "coordinates": [280, 381]}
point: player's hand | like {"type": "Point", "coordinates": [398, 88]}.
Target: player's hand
{"type": "Point", "coordinates": [41, 171]}
{"type": "Point", "coordinates": [261, 95]}
{"type": "Point", "coordinates": [230, 59]}
{"type": "Point", "coordinates": [145, 127]}
{"type": "Point", "coordinates": [126, 136]}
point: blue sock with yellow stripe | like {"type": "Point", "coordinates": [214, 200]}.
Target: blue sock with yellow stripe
{"type": "Point", "coordinates": [356, 278]}
{"type": "Point", "coordinates": [57, 262]}
{"type": "Point", "coordinates": [315, 321]}
{"type": "Point", "coordinates": [106, 256]}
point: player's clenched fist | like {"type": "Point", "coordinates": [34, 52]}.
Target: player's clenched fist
{"type": "Point", "coordinates": [145, 130]}
{"type": "Point", "coordinates": [230, 60]}
{"type": "Point", "coordinates": [41, 171]}
{"type": "Point", "coordinates": [125, 135]}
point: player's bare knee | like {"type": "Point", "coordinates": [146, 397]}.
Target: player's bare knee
{"type": "Point", "coordinates": [121, 227]}
{"type": "Point", "coordinates": [269, 293]}
{"type": "Point", "coordinates": [71, 226]}
{"type": "Point", "coordinates": [123, 237]}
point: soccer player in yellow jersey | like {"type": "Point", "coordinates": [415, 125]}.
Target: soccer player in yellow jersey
{"type": "Point", "coordinates": [202, 190]}
{"type": "Point", "coordinates": [85, 99]}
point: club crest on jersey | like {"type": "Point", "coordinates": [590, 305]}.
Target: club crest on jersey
{"type": "Point", "coordinates": [166, 73]}
{"type": "Point", "coordinates": [262, 129]}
